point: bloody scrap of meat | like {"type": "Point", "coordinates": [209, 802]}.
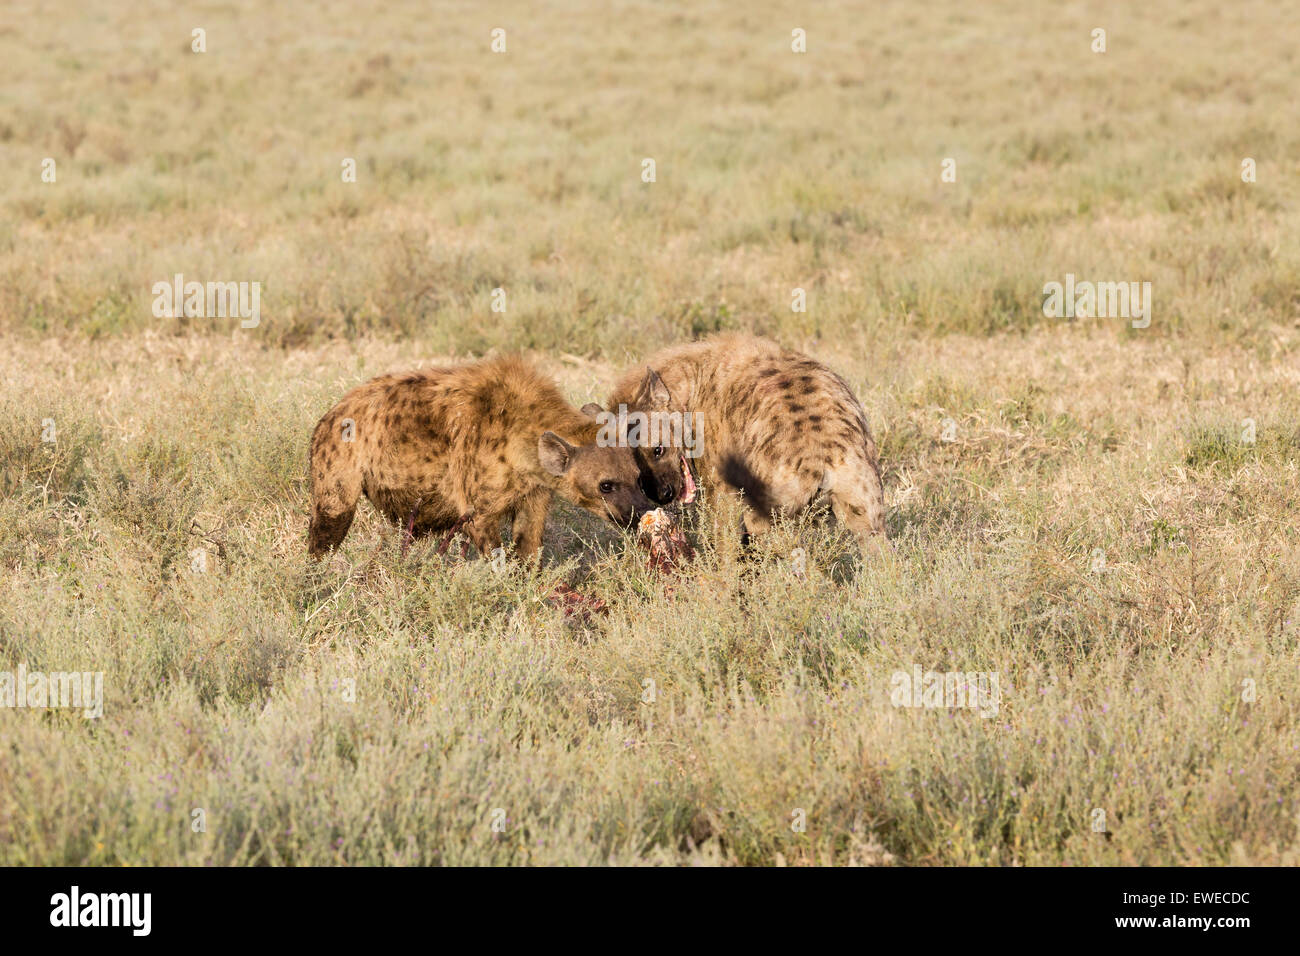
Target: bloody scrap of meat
{"type": "Point", "coordinates": [660, 533]}
{"type": "Point", "coordinates": [575, 603]}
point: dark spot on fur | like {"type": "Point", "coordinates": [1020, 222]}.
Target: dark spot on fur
{"type": "Point", "coordinates": [735, 472]}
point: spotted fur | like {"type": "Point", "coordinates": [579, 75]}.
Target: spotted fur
{"type": "Point", "coordinates": [779, 429]}
{"type": "Point", "coordinates": [465, 448]}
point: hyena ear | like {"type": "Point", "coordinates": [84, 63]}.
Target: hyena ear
{"type": "Point", "coordinates": [555, 454]}
{"type": "Point", "coordinates": [591, 409]}
{"type": "Point", "coordinates": [653, 392]}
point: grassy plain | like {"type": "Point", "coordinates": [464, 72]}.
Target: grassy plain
{"type": "Point", "coordinates": [1122, 685]}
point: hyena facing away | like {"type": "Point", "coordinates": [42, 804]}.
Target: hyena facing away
{"type": "Point", "coordinates": [462, 449]}
{"type": "Point", "coordinates": [775, 426]}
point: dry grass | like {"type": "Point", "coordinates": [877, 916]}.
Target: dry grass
{"type": "Point", "coordinates": [1121, 689]}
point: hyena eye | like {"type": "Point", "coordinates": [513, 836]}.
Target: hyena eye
{"type": "Point", "coordinates": [659, 451]}
{"type": "Point", "coordinates": [606, 487]}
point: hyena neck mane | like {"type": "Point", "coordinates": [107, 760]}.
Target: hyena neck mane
{"type": "Point", "coordinates": [549, 412]}
{"type": "Point", "coordinates": [529, 404]}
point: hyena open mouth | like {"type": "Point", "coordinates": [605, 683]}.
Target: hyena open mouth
{"type": "Point", "coordinates": [689, 486]}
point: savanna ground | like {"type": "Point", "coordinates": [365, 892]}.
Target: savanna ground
{"type": "Point", "coordinates": [1124, 684]}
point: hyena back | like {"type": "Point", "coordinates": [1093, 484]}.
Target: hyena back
{"type": "Point", "coordinates": [464, 448]}
{"type": "Point", "coordinates": [775, 427]}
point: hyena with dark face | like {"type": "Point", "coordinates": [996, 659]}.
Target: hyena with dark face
{"type": "Point", "coordinates": [463, 449]}
{"type": "Point", "coordinates": [773, 426]}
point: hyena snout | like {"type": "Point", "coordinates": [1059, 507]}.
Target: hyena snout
{"type": "Point", "coordinates": [665, 493]}
{"type": "Point", "coordinates": [667, 475]}
{"type": "Point", "coordinates": [626, 506]}
{"type": "Point", "coordinates": [661, 485]}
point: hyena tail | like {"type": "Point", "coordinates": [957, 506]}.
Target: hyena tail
{"type": "Point", "coordinates": [857, 498]}
{"type": "Point", "coordinates": [335, 489]}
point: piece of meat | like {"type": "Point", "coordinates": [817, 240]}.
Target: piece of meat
{"type": "Point", "coordinates": [660, 532]}
{"type": "Point", "coordinates": [576, 604]}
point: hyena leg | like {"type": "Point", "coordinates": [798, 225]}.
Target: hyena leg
{"type": "Point", "coordinates": [485, 532]}
{"type": "Point", "coordinates": [456, 527]}
{"type": "Point", "coordinates": [333, 506]}
{"type": "Point", "coordinates": [730, 502]}
{"type": "Point", "coordinates": [528, 522]}
{"type": "Point", "coordinates": [752, 522]}
{"type": "Point", "coordinates": [408, 532]}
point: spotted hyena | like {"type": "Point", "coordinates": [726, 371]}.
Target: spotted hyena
{"type": "Point", "coordinates": [771, 425]}
{"type": "Point", "coordinates": [463, 448]}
